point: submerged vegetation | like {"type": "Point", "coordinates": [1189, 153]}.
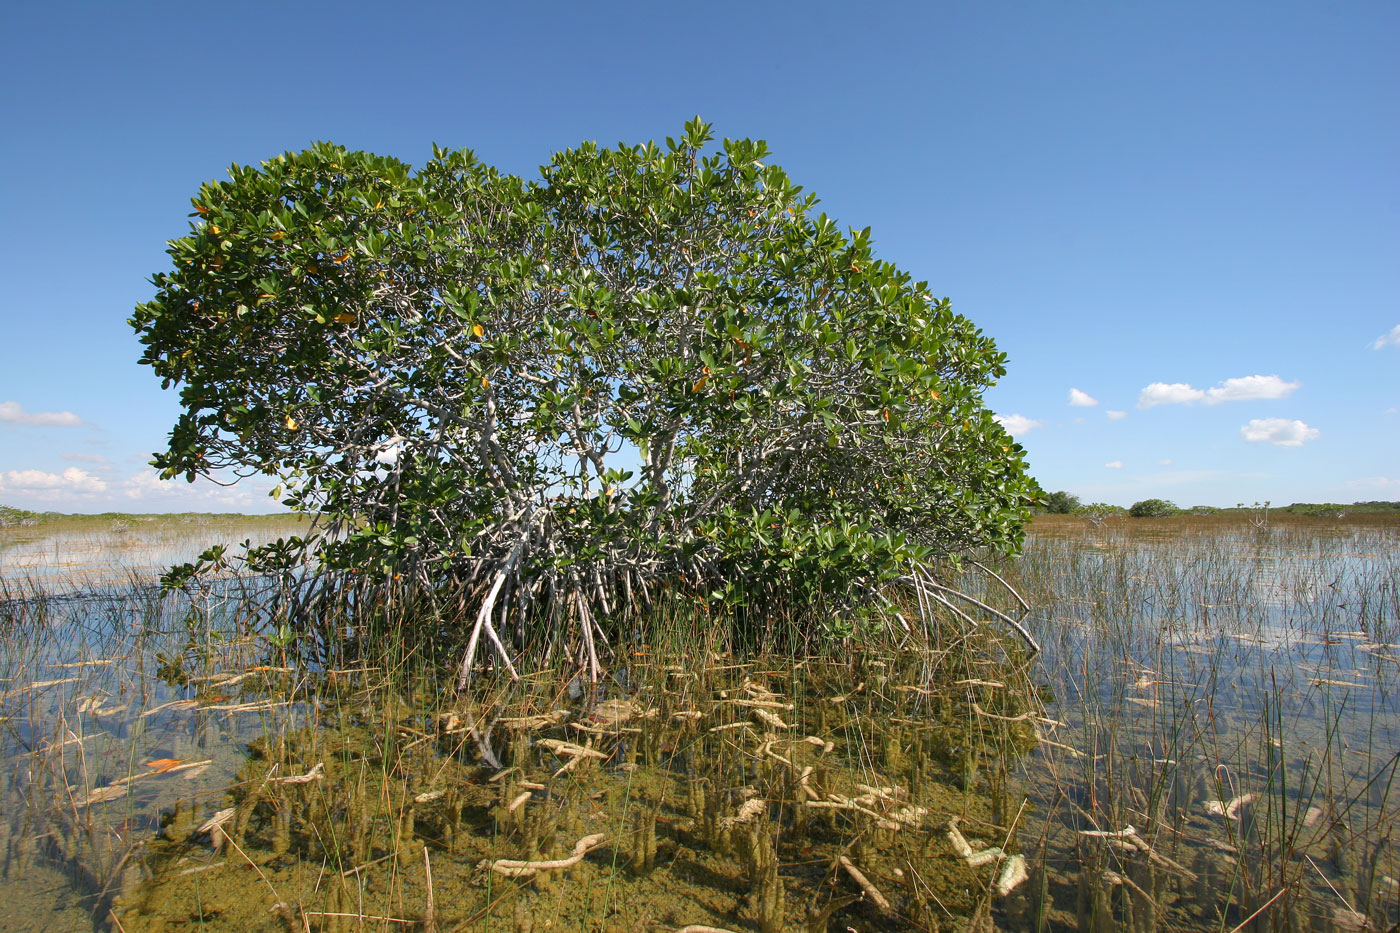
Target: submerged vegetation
{"type": "Point", "coordinates": [1207, 741]}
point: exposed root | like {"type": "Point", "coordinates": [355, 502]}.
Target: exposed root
{"type": "Point", "coordinates": [520, 868]}
{"type": "Point", "coordinates": [881, 903]}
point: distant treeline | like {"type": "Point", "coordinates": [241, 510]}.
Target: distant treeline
{"type": "Point", "coordinates": [11, 516]}
{"type": "Point", "coordinates": [1065, 503]}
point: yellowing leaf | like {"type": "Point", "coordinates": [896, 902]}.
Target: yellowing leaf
{"type": "Point", "coordinates": [345, 317]}
{"type": "Point", "coordinates": [291, 423]}
{"type": "Point", "coordinates": [886, 415]}
{"type": "Point", "coordinates": [478, 330]}
{"type": "Point", "coordinates": [700, 383]}
{"type": "Point", "coordinates": [278, 234]}
{"type": "Point", "coordinates": [342, 257]}
{"type": "Point", "coordinates": [485, 382]}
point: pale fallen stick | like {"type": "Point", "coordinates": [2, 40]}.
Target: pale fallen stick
{"type": "Point", "coordinates": [315, 774]}
{"type": "Point", "coordinates": [172, 705]}
{"type": "Point", "coordinates": [520, 868]}
{"type": "Point", "coordinates": [1012, 874]}
{"type": "Point", "coordinates": [38, 685]}
{"type": "Point", "coordinates": [761, 704]}
{"type": "Point", "coordinates": [769, 719]}
{"type": "Point", "coordinates": [732, 725]}
{"type": "Point", "coordinates": [747, 811]}
{"type": "Point", "coordinates": [119, 787]}
{"type": "Point", "coordinates": [330, 913]}
{"type": "Point", "coordinates": [872, 892]}
{"type": "Point", "coordinates": [571, 750]}
{"type": "Point", "coordinates": [214, 826]}
{"type": "Point", "coordinates": [536, 722]}
{"type": "Point", "coordinates": [1229, 810]}
{"type": "Point", "coordinates": [1021, 718]}
{"type": "Point", "coordinates": [846, 803]}
{"type": "Point", "coordinates": [964, 850]}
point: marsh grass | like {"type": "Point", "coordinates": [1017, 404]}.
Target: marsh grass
{"type": "Point", "coordinates": [1225, 690]}
{"type": "Point", "coordinates": [1229, 692]}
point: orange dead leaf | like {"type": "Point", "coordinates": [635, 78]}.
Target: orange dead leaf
{"type": "Point", "coordinates": [342, 257]}
{"type": "Point", "coordinates": [165, 764]}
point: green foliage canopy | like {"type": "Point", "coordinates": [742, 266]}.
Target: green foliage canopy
{"type": "Point", "coordinates": [1152, 508]}
{"type": "Point", "coordinates": [650, 363]}
{"type": "Point", "coordinates": [1060, 503]}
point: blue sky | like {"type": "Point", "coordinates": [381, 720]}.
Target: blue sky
{"type": "Point", "coordinates": [1189, 212]}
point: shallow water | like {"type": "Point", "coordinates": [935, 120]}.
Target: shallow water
{"type": "Point", "coordinates": [73, 556]}
{"type": "Point", "coordinates": [1230, 696]}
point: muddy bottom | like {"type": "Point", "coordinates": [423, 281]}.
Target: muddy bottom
{"type": "Point", "coordinates": [733, 798]}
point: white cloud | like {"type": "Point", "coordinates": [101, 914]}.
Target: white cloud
{"type": "Point", "coordinates": [1016, 425]}
{"type": "Point", "coordinates": [1114, 464]}
{"type": "Point", "coordinates": [71, 480]}
{"type": "Point", "coordinates": [1081, 399]}
{"type": "Point", "coordinates": [1281, 432]}
{"type": "Point", "coordinates": [1238, 389]}
{"type": "Point", "coordinates": [85, 458]}
{"type": "Point", "coordinates": [14, 413]}
{"type": "Point", "coordinates": [1163, 393]}
{"type": "Point", "coordinates": [1391, 339]}
{"type": "Point", "coordinates": [1372, 482]}
{"type": "Point", "coordinates": [1167, 461]}
{"type": "Point", "coordinates": [151, 491]}
{"type": "Point", "coordinates": [1245, 388]}
{"type": "Point", "coordinates": [1115, 415]}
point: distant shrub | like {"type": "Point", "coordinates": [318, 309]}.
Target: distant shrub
{"type": "Point", "coordinates": [9, 515]}
{"type": "Point", "coordinates": [1060, 503]}
{"type": "Point", "coordinates": [1152, 508]}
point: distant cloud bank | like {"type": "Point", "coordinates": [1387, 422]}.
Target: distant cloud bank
{"type": "Point", "coordinates": [1391, 339]}
{"type": "Point", "coordinates": [1239, 389]}
{"type": "Point", "coordinates": [71, 480]}
{"type": "Point", "coordinates": [14, 413]}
